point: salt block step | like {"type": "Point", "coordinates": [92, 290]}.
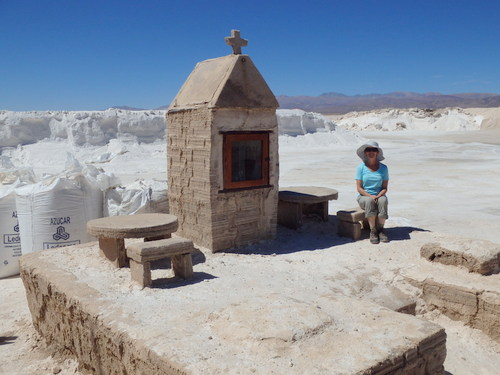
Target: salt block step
{"type": "Point", "coordinates": [352, 215]}
{"type": "Point", "coordinates": [476, 255]}
{"type": "Point", "coordinates": [112, 327]}
{"type": "Point", "coordinates": [468, 297]}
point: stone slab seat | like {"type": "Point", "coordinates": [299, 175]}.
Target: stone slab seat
{"type": "Point", "coordinates": [350, 222]}
{"type": "Point", "coordinates": [142, 254]}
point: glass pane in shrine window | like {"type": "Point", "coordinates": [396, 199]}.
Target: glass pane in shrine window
{"type": "Point", "coordinates": [246, 160]}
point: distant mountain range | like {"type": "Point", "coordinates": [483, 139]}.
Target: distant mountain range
{"type": "Point", "coordinates": [335, 103]}
{"type": "Point", "coordinates": [331, 103]}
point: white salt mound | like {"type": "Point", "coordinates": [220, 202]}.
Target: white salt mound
{"type": "Point", "coordinates": [299, 122]}
{"type": "Point", "coordinates": [448, 119]}
{"type": "Point", "coordinates": [98, 128]}
{"type": "Point", "coordinates": [80, 127]}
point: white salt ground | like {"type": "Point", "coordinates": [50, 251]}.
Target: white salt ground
{"type": "Point", "coordinates": [441, 182]}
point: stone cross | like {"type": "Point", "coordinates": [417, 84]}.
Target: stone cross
{"type": "Point", "coordinates": [236, 42]}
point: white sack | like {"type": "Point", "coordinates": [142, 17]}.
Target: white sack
{"type": "Point", "coordinates": [143, 196]}
{"type": "Point", "coordinates": [10, 246]}
{"type": "Point", "coordinates": [54, 212]}
{"type": "Point", "coordinates": [11, 177]}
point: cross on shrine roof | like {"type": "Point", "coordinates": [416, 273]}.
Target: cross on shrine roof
{"type": "Point", "coordinates": [236, 42]}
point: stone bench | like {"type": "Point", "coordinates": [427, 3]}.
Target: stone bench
{"type": "Point", "coordinates": [299, 201]}
{"type": "Point", "coordinates": [350, 222]}
{"type": "Point", "coordinates": [142, 254]}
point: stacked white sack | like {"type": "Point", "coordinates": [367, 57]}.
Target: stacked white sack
{"type": "Point", "coordinates": [10, 249]}
{"type": "Point", "coordinates": [10, 245]}
{"type": "Point", "coordinates": [54, 212]}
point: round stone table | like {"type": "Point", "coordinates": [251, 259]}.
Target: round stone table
{"type": "Point", "coordinates": [299, 201]}
{"type": "Point", "coordinates": [112, 231]}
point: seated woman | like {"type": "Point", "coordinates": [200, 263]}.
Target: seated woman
{"type": "Point", "coordinates": [372, 179]}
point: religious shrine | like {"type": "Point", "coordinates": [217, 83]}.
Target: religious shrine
{"type": "Point", "coordinates": [222, 153]}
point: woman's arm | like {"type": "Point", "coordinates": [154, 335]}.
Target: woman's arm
{"type": "Point", "coordinates": [359, 187]}
{"type": "Point", "coordinates": [384, 189]}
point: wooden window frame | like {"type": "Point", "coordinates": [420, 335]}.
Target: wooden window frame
{"type": "Point", "coordinates": [231, 137]}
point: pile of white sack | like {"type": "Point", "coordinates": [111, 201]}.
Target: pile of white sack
{"type": "Point", "coordinates": [53, 212]}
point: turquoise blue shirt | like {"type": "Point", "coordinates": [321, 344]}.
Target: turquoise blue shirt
{"type": "Point", "coordinates": [372, 181]}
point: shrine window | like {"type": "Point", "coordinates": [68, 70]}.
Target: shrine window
{"type": "Point", "coordinates": [246, 159]}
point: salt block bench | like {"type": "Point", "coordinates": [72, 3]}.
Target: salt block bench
{"type": "Point", "coordinates": [141, 255]}
{"type": "Point", "coordinates": [350, 222]}
{"type": "Point", "coordinates": [296, 202]}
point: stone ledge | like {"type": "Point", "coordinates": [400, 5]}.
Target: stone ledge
{"type": "Point", "coordinates": [80, 302]}
{"type": "Point", "coordinates": [468, 297]}
{"type": "Point", "coordinates": [476, 255]}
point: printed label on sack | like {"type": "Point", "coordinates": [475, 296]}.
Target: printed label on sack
{"type": "Point", "coordinates": [60, 220]}
{"type": "Point", "coordinates": [13, 239]}
{"type": "Point", "coordinates": [51, 245]}
{"type": "Point", "coordinates": [60, 234]}
{"type": "Point", "coordinates": [16, 252]}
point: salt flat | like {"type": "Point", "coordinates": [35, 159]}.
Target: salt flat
{"type": "Point", "coordinates": [440, 182]}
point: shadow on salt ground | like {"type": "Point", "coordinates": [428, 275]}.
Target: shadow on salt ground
{"type": "Point", "coordinates": [5, 340]}
{"type": "Point", "coordinates": [402, 233]}
{"type": "Point", "coordinates": [314, 234]}
{"type": "Point", "coordinates": [176, 282]}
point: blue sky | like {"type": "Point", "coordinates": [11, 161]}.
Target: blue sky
{"type": "Point", "coordinates": [91, 55]}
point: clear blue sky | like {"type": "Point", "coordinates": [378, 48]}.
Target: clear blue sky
{"type": "Point", "coordinates": [94, 54]}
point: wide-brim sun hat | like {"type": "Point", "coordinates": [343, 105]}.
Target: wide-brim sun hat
{"type": "Point", "coordinates": [361, 150]}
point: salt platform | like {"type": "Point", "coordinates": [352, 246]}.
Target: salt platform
{"type": "Point", "coordinates": [226, 320]}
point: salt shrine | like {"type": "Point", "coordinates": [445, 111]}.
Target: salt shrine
{"type": "Point", "coordinates": [222, 153]}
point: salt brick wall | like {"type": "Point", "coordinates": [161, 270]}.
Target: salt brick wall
{"type": "Point", "coordinates": [211, 218]}
{"type": "Point", "coordinates": [245, 216]}
{"type": "Point", "coordinates": [188, 158]}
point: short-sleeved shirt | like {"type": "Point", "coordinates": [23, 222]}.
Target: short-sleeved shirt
{"type": "Point", "coordinates": [372, 180]}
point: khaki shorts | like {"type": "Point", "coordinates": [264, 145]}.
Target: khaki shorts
{"type": "Point", "coordinates": [374, 209]}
